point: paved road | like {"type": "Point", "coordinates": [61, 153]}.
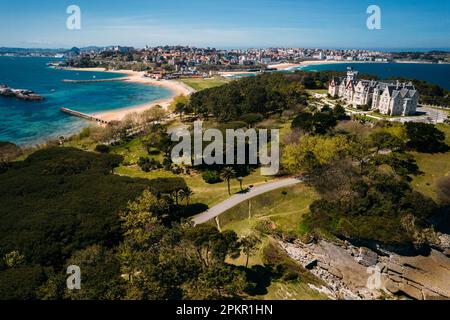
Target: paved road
{"type": "Point", "coordinates": [239, 198]}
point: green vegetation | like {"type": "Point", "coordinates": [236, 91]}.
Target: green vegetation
{"type": "Point", "coordinates": [263, 94]}
{"type": "Point", "coordinates": [59, 201]}
{"type": "Point", "coordinates": [121, 211]}
{"type": "Point", "coordinates": [201, 84]}
{"type": "Point", "coordinates": [364, 183]}
{"type": "Point", "coordinates": [275, 214]}
{"type": "Point", "coordinates": [425, 138]}
{"type": "Point", "coordinates": [283, 209]}
{"type": "Point", "coordinates": [207, 194]}
{"type": "Point", "coordinates": [433, 167]}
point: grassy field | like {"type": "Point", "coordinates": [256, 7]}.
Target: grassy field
{"type": "Point", "coordinates": [201, 84]}
{"type": "Point", "coordinates": [433, 166]}
{"type": "Point", "coordinates": [317, 91]}
{"type": "Point", "coordinates": [291, 290]}
{"type": "Point", "coordinates": [284, 208]}
{"type": "Point", "coordinates": [209, 194]}
{"type": "Point", "coordinates": [131, 151]}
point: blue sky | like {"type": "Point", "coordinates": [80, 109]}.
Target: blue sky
{"type": "Point", "coordinates": [226, 24]}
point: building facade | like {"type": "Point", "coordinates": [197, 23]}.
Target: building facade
{"type": "Point", "coordinates": [389, 98]}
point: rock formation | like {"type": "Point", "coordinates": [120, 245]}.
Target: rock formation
{"type": "Point", "coordinates": [19, 93]}
{"type": "Point", "coordinates": [360, 273]}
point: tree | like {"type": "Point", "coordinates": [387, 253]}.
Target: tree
{"type": "Point", "coordinates": [361, 152]}
{"type": "Point", "coordinates": [154, 114]}
{"type": "Point", "coordinates": [424, 137]}
{"type": "Point", "coordinates": [304, 121]}
{"type": "Point", "coordinates": [101, 148]}
{"type": "Point", "coordinates": [227, 174]}
{"type": "Point", "coordinates": [384, 140]}
{"type": "Point", "coordinates": [317, 123]}
{"type": "Point", "coordinates": [313, 151]}
{"type": "Point", "coordinates": [180, 109]}
{"type": "Point", "coordinates": [211, 246]}
{"type": "Point", "coordinates": [14, 259]}
{"type": "Point", "coordinates": [211, 176]}
{"type": "Point", "coordinates": [249, 246]}
{"type": "Point", "coordinates": [186, 194]}
{"type": "Point", "coordinates": [138, 221]}
{"type": "Point", "coordinates": [218, 282]}
{"type": "Point", "coordinates": [340, 113]}
{"type": "Point", "coordinates": [252, 118]}
{"type": "Point", "coordinates": [443, 186]}
{"type": "Point", "coordinates": [157, 139]}
{"type": "Point", "coordinates": [21, 283]}
{"type": "Point", "coordinates": [100, 272]}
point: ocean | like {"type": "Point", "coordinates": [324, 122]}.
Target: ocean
{"type": "Point", "coordinates": [29, 122]}
{"type": "Point", "coordinates": [434, 73]}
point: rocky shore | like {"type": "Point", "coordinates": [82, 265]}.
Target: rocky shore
{"type": "Point", "coordinates": [22, 94]}
{"type": "Point", "coordinates": [354, 273]}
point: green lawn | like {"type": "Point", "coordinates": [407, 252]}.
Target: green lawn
{"type": "Point", "coordinates": [434, 166]}
{"type": "Point", "coordinates": [283, 207]}
{"type": "Point", "coordinates": [201, 84]}
{"type": "Point", "coordinates": [131, 151]}
{"type": "Point", "coordinates": [317, 91]}
{"type": "Point", "coordinates": [209, 194]}
{"type": "Point", "coordinates": [293, 290]}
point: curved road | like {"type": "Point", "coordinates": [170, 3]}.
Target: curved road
{"type": "Point", "coordinates": [239, 198]}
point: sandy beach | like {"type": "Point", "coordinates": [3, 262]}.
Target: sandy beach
{"type": "Point", "coordinates": [176, 87]}
{"type": "Point", "coordinates": [179, 88]}
{"type": "Point", "coordinates": [288, 66]}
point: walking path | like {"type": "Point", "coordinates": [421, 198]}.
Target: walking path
{"type": "Point", "coordinates": [239, 198]}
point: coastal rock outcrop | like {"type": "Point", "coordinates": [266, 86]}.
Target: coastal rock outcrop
{"type": "Point", "coordinates": [360, 273]}
{"type": "Point", "coordinates": [19, 94]}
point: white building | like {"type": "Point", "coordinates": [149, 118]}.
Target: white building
{"type": "Point", "coordinates": [390, 98]}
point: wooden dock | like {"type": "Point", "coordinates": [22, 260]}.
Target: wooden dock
{"type": "Point", "coordinates": [84, 115]}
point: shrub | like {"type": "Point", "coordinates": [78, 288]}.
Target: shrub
{"type": "Point", "coordinates": [211, 176]}
{"type": "Point", "coordinates": [424, 137]}
{"type": "Point", "coordinates": [252, 118]}
{"type": "Point", "coordinates": [176, 169]}
{"type": "Point", "coordinates": [101, 148]}
{"type": "Point", "coordinates": [148, 164]}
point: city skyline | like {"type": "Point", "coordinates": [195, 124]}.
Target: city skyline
{"type": "Point", "coordinates": [326, 24]}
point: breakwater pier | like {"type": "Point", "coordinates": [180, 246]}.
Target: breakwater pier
{"type": "Point", "coordinates": [86, 116]}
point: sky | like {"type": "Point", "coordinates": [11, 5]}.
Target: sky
{"type": "Point", "coordinates": [226, 24]}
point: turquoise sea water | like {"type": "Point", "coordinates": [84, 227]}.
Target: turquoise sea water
{"type": "Point", "coordinates": [433, 73]}
{"type": "Point", "coordinates": [27, 123]}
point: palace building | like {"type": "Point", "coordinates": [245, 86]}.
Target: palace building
{"type": "Point", "coordinates": [389, 98]}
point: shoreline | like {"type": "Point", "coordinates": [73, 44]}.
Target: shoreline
{"type": "Point", "coordinates": [291, 66]}
{"type": "Point", "coordinates": [177, 88]}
